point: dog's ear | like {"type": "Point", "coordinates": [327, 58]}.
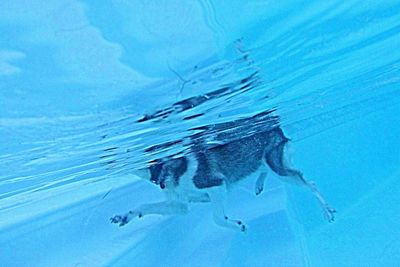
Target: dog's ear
{"type": "Point", "coordinates": [142, 173]}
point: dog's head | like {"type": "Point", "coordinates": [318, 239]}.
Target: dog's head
{"type": "Point", "coordinates": [167, 171]}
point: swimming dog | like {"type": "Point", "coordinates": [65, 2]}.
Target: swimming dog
{"type": "Point", "coordinates": [206, 173]}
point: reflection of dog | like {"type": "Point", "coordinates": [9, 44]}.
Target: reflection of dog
{"type": "Point", "coordinates": [205, 174]}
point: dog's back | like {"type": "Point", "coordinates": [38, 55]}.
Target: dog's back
{"type": "Point", "coordinates": [194, 178]}
{"type": "Point", "coordinates": [236, 160]}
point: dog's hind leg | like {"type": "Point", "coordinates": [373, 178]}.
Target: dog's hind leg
{"type": "Point", "coordinates": [275, 159]}
{"type": "Point", "coordinates": [160, 208]}
{"type": "Point", "coordinates": [216, 195]}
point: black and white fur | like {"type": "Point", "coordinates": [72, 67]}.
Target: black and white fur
{"type": "Point", "coordinates": [205, 174]}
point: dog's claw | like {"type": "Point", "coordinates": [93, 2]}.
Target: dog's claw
{"type": "Point", "coordinates": [115, 219]}
{"type": "Point", "coordinates": [258, 190]}
{"type": "Point", "coordinates": [120, 220]}
{"type": "Point", "coordinates": [241, 226]}
{"type": "Point", "coordinates": [124, 219]}
{"type": "Point", "coordinates": [329, 213]}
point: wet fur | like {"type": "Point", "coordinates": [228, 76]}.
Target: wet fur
{"type": "Point", "coordinates": [205, 174]}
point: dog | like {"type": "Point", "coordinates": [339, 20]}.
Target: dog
{"type": "Point", "coordinates": [207, 171]}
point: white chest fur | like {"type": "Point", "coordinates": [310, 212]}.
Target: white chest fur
{"type": "Point", "coordinates": [186, 190]}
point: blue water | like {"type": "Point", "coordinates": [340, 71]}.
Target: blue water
{"type": "Point", "coordinates": [89, 92]}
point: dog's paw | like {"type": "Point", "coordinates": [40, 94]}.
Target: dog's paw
{"type": "Point", "coordinates": [258, 190]}
{"type": "Point", "coordinates": [242, 226]}
{"type": "Point", "coordinates": [235, 224]}
{"type": "Point", "coordinates": [329, 213]}
{"type": "Point", "coordinates": [121, 220]}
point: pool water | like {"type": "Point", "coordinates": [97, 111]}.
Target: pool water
{"type": "Point", "coordinates": [91, 92]}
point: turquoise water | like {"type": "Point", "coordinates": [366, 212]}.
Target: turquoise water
{"type": "Point", "coordinates": [89, 92]}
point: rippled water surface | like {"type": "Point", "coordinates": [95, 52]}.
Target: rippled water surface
{"type": "Point", "coordinates": [90, 92]}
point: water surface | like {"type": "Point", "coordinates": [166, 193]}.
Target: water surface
{"type": "Point", "coordinates": [91, 91]}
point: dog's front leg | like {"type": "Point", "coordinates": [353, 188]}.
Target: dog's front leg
{"type": "Point", "coordinates": [216, 195]}
{"type": "Point", "coordinates": [160, 208]}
